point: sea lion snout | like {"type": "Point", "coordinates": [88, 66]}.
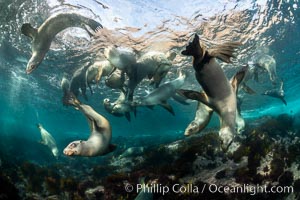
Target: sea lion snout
{"type": "Point", "coordinates": [68, 152]}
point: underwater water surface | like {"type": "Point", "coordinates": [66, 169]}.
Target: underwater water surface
{"type": "Point", "coordinates": [151, 147]}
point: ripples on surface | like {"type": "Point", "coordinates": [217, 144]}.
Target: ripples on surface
{"type": "Point", "coordinates": [144, 26]}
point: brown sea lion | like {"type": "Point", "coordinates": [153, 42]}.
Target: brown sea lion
{"type": "Point", "coordinates": [43, 36]}
{"type": "Point", "coordinates": [100, 137]}
{"type": "Point", "coordinates": [218, 93]}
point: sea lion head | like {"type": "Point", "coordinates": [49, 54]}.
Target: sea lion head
{"type": "Point", "coordinates": [106, 102]}
{"type": "Point", "coordinates": [74, 148]}
{"type": "Point", "coordinates": [192, 129]}
{"type": "Point", "coordinates": [194, 48]}
{"type": "Point", "coordinates": [35, 61]}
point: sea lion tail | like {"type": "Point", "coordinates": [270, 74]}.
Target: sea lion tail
{"type": "Point", "coordinates": [70, 99]}
{"type": "Point", "coordinates": [225, 51]}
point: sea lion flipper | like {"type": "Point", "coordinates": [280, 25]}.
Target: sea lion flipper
{"type": "Point", "coordinates": [28, 30]}
{"type": "Point", "coordinates": [168, 107]}
{"type": "Point", "coordinates": [247, 89]}
{"type": "Point", "coordinates": [224, 51]}
{"type": "Point", "coordinates": [198, 96]}
{"type": "Point", "coordinates": [70, 99]}
{"type": "Point", "coordinates": [283, 100]}
{"type": "Point", "coordinates": [238, 78]}
{"type": "Point", "coordinates": [127, 115]}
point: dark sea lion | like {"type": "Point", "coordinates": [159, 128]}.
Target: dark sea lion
{"type": "Point", "coordinates": [218, 93]}
{"type": "Point", "coordinates": [100, 137]}
{"type": "Point", "coordinates": [43, 36]}
{"type": "Point", "coordinates": [277, 93]}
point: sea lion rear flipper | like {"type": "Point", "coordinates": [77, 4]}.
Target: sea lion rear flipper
{"type": "Point", "coordinates": [127, 115]}
{"type": "Point", "coordinates": [198, 96]}
{"type": "Point", "coordinates": [283, 100]}
{"type": "Point", "coordinates": [247, 89]}
{"type": "Point", "coordinates": [168, 107]}
{"type": "Point", "coordinates": [28, 30]}
{"type": "Point", "coordinates": [224, 51]}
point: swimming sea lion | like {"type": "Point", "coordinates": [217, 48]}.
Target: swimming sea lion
{"type": "Point", "coordinates": [116, 80]}
{"type": "Point", "coordinates": [97, 70]}
{"type": "Point", "coordinates": [99, 141]}
{"type": "Point", "coordinates": [78, 81]}
{"type": "Point", "coordinates": [160, 95]}
{"type": "Point", "coordinates": [120, 107]}
{"type": "Point", "coordinates": [204, 113]}
{"type": "Point", "coordinates": [48, 140]}
{"type": "Point", "coordinates": [218, 93]}
{"type": "Point", "coordinates": [121, 58]}
{"type": "Point", "coordinates": [153, 65]}
{"type": "Point", "coordinates": [268, 63]}
{"type": "Point", "coordinates": [43, 36]}
{"type": "Point", "coordinates": [277, 93]}
{"type": "Point", "coordinates": [202, 118]}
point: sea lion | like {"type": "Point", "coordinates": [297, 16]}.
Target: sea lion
{"type": "Point", "coordinates": [120, 107]}
{"type": "Point", "coordinates": [268, 63]}
{"type": "Point", "coordinates": [218, 93]}
{"type": "Point", "coordinates": [160, 95]}
{"type": "Point", "coordinates": [121, 58]}
{"type": "Point", "coordinates": [153, 65]}
{"type": "Point", "coordinates": [43, 36]}
{"type": "Point", "coordinates": [116, 80]}
{"type": "Point", "coordinates": [78, 81]}
{"type": "Point", "coordinates": [204, 113]}
{"type": "Point", "coordinates": [99, 140]}
{"type": "Point", "coordinates": [98, 70]}
{"type": "Point", "coordinates": [48, 140]}
{"type": "Point", "coordinates": [202, 118]}
{"type": "Point", "coordinates": [277, 93]}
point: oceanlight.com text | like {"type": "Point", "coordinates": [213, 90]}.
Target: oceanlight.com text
{"type": "Point", "coordinates": [212, 188]}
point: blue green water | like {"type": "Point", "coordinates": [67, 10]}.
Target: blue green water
{"type": "Point", "coordinates": [37, 98]}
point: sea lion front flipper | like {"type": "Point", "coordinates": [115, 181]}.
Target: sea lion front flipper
{"type": "Point", "coordinates": [238, 78]}
{"type": "Point", "coordinates": [99, 74]}
{"type": "Point", "coordinates": [70, 99]}
{"type": "Point", "coordinates": [168, 107]}
{"type": "Point", "coordinates": [198, 96]}
{"type": "Point", "coordinates": [127, 115]}
{"type": "Point", "coordinates": [180, 99]}
{"type": "Point", "coordinates": [28, 30]}
{"type": "Point", "coordinates": [224, 51]}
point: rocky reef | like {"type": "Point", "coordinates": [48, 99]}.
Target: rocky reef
{"type": "Point", "coordinates": [262, 164]}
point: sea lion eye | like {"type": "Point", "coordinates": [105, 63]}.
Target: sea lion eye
{"type": "Point", "coordinates": [73, 145]}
